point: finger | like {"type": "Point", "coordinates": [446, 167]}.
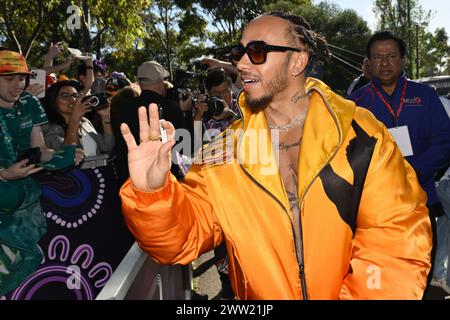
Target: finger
{"type": "Point", "coordinates": [165, 152]}
{"type": "Point", "coordinates": [144, 129]}
{"type": "Point", "coordinates": [22, 163]}
{"type": "Point", "coordinates": [154, 121]}
{"type": "Point", "coordinates": [170, 129]}
{"type": "Point", "coordinates": [34, 170]}
{"type": "Point", "coordinates": [128, 136]}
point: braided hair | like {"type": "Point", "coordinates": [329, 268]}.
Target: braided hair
{"type": "Point", "coordinates": [300, 32]}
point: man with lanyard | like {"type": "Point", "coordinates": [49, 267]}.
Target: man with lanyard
{"type": "Point", "coordinates": [22, 222]}
{"type": "Point", "coordinates": [413, 112]}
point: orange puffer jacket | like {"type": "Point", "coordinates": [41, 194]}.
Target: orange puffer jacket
{"type": "Point", "coordinates": [365, 230]}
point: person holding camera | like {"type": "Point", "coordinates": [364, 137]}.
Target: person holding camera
{"type": "Point", "coordinates": [217, 108]}
{"type": "Point", "coordinates": [23, 152]}
{"type": "Point", "coordinates": [66, 109]}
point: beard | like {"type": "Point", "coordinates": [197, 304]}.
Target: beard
{"type": "Point", "coordinates": [273, 87]}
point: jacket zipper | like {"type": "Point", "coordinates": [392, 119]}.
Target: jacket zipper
{"type": "Point", "coordinates": [300, 264]}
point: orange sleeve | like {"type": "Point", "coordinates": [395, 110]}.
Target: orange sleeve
{"type": "Point", "coordinates": [175, 224]}
{"type": "Point", "coordinates": [390, 256]}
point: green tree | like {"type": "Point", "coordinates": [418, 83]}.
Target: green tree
{"type": "Point", "coordinates": [344, 39]}
{"type": "Point", "coordinates": [406, 19]}
{"type": "Point", "coordinates": [23, 22]}
{"type": "Point", "coordinates": [122, 20]}
{"type": "Point", "coordinates": [435, 59]}
{"type": "Point", "coordinates": [176, 34]}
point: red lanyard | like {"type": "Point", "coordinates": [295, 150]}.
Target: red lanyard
{"type": "Point", "coordinates": [400, 105]}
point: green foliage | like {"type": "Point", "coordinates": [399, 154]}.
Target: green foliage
{"type": "Point", "coordinates": [22, 22]}
{"type": "Point", "coordinates": [332, 23]}
{"type": "Point", "coordinates": [175, 32]}
{"type": "Point", "coordinates": [427, 53]}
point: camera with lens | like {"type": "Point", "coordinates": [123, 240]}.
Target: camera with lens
{"type": "Point", "coordinates": [215, 106]}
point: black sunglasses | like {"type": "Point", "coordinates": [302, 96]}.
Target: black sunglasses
{"type": "Point", "coordinates": [257, 51]}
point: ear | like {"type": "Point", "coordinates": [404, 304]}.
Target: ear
{"type": "Point", "coordinates": [300, 61]}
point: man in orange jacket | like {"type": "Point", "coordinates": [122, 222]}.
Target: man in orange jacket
{"type": "Point", "coordinates": [321, 206]}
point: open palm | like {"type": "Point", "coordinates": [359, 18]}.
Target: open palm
{"type": "Point", "coordinates": [150, 161]}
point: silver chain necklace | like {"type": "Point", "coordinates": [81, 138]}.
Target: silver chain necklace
{"type": "Point", "coordinates": [300, 119]}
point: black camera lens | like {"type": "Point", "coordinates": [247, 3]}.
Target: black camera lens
{"type": "Point", "coordinates": [215, 106]}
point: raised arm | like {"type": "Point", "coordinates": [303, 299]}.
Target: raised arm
{"type": "Point", "coordinates": [173, 222]}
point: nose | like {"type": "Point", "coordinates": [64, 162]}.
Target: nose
{"type": "Point", "coordinates": [244, 63]}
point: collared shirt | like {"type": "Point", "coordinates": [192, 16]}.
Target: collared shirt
{"type": "Point", "coordinates": [20, 120]}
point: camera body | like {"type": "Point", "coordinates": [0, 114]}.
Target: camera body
{"type": "Point", "coordinates": [215, 106]}
{"type": "Point", "coordinates": [97, 100]}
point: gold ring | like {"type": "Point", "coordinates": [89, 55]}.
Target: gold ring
{"type": "Point", "coordinates": [151, 138]}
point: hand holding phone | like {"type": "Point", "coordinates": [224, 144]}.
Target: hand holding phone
{"type": "Point", "coordinates": [38, 78]}
{"type": "Point", "coordinates": [33, 155]}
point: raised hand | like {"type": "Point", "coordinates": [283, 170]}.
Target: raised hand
{"type": "Point", "coordinates": [35, 89]}
{"type": "Point", "coordinates": [79, 109]}
{"type": "Point", "coordinates": [150, 161]}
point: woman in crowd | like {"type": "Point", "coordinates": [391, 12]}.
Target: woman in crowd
{"type": "Point", "coordinates": [65, 110]}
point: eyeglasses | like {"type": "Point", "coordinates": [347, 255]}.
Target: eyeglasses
{"type": "Point", "coordinates": [67, 96]}
{"type": "Point", "coordinates": [389, 57]}
{"type": "Point", "coordinates": [256, 51]}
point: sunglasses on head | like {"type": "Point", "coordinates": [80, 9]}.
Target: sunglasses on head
{"type": "Point", "coordinates": [256, 51]}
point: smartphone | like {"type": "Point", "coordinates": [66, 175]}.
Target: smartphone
{"type": "Point", "coordinates": [33, 155]}
{"type": "Point", "coordinates": [38, 76]}
{"type": "Point", "coordinates": [96, 100]}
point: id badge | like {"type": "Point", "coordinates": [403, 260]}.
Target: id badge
{"type": "Point", "coordinates": [401, 136]}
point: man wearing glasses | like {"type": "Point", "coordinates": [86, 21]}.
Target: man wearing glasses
{"type": "Point", "coordinates": [321, 206]}
{"type": "Point", "coordinates": [417, 120]}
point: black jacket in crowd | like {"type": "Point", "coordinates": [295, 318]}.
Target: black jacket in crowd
{"type": "Point", "coordinates": [129, 115]}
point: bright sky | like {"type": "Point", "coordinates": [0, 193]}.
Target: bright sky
{"type": "Point", "coordinates": [440, 11]}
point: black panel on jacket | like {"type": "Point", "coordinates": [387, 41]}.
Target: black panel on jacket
{"type": "Point", "coordinates": [345, 196]}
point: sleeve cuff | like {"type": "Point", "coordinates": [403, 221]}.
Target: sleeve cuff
{"type": "Point", "coordinates": [150, 197]}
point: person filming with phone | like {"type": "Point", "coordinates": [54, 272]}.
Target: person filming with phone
{"type": "Point", "coordinates": [23, 153]}
{"type": "Point", "coordinates": [66, 109]}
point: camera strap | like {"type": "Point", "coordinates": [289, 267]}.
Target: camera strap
{"type": "Point", "coordinates": [7, 139]}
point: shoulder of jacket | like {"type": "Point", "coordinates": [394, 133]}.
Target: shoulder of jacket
{"type": "Point", "coordinates": [219, 151]}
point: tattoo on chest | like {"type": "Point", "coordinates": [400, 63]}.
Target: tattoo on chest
{"type": "Point", "coordinates": [293, 192]}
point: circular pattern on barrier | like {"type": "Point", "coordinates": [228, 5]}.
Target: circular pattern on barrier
{"type": "Point", "coordinates": [73, 193]}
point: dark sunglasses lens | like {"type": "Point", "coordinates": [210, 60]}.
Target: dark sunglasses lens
{"type": "Point", "coordinates": [256, 52]}
{"type": "Point", "coordinates": [237, 52]}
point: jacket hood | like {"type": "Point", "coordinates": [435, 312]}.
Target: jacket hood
{"type": "Point", "coordinates": [328, 120]}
